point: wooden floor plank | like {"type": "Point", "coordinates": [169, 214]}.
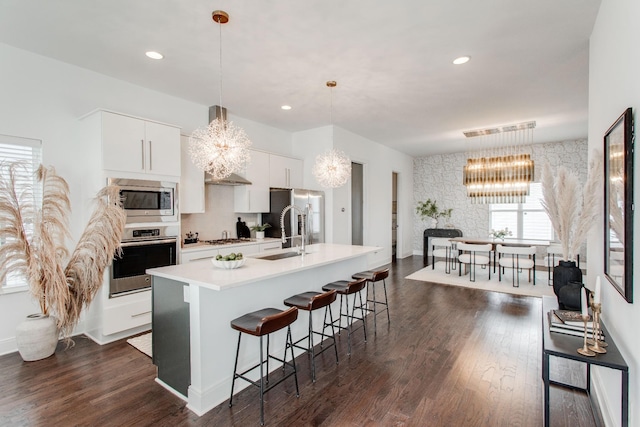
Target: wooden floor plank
{"type": "Point", "coordinates": [450, 356]}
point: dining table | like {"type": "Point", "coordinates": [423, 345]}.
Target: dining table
{"type": "Point", "coordinates": [504, 242]}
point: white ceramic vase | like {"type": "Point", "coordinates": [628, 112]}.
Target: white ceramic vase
{"type": "Point", "coordinates": [37, 337]}
{"type": "Point", "coordinates": [259, 235]}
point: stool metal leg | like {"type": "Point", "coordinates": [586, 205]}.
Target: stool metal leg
{"type": "Point", "coordinates": [362, 313]}
{"type": "Point", "coordinates": [373, 295]}
{"type": "Point", "coordinates": [386, 301]}
{"type": "Point", "coordinates": [235, 370]}
{"type": "Point", "coordinates": [313, 358]}
{"type": "Point", "coordinates": [262, 379]}
{"type": "Point", "coordinates": [293, 359]}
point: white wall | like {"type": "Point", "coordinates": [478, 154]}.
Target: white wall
{"type": "Point", "coordinates": [379, 163]}
{"type": "Point", "coordinates": [614, 85]}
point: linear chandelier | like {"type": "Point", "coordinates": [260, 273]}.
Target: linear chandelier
{"type": "Point", "coordinates": [502, 170]}
{"type": "Point", "coordinates": [220, 148]}
{"type": "Point", "coordinates": [332, 168]}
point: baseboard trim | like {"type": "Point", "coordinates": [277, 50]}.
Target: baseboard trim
{"type": "Point", "coordinates": [602, 412]}
{"type": "Point", "coordinates": [8, 345]}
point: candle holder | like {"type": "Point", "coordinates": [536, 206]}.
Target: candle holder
{"type": "Point", "coordinates": [585, 350]}
{"type": "Point", "coordinates": [596, 344]}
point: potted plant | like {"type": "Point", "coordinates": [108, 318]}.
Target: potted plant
{"type": "Point", "coordinates": [259, 229]}
{"type": "Point", "coordinates": [429, 209]}
{"type": "Point", "coordinates": [572, 211]}
{"type": "Point", "coordinates": [33, 230]}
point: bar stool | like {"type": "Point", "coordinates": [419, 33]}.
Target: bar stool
{"type": "Point", "coordinates": [310, 301]}
{"type": "Point", "coordinates": [373, 276]}
{"type": "Point", "coordinates": [260, 323]}
{"type": "Point", "coordinates": [345, 288]}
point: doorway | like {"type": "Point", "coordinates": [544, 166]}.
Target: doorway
{"type": "Point", "coordinates": [357, 204]}
{"type": "Point", "coordinates": [394, 215]}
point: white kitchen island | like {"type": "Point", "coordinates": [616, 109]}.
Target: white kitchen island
{"type": "Point", "coordinates": [193, 304]}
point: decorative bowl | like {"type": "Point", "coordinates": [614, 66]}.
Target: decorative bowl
{"type": "Point", "coordinates": [228, 264]}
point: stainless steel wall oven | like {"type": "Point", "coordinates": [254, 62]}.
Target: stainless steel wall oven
{"type": "Point", "coordinates": [142, 248]}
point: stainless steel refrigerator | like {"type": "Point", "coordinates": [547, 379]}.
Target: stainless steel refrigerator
{"type": "Point", "coordinates": [280, 198]}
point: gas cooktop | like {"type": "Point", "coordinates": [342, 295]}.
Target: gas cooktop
{"type": "Point", "coordinates": [227, 241]}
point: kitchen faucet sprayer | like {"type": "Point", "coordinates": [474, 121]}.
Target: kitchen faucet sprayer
{"type": "Point", "coordinates": [304, 214]}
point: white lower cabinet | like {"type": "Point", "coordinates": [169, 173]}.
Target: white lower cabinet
{"type": "Point", "coordinates": [127, 312]}
{"type": "Point", "coordinates": [198, 255]}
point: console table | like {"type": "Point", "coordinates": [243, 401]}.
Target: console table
{"type": "Point", "coordinates": [436, 232]}
{"type": "Point", "coordinates": [565, 346]}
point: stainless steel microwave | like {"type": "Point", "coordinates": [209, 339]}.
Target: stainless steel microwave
{"type": "Point", "coordinates": [148, 201]}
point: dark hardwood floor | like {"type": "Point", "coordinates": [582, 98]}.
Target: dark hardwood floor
{"type": "Point", "coordinates": [450, 357]}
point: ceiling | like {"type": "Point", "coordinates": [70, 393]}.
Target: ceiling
{"type": "Point", "coordinates": [392, 60]}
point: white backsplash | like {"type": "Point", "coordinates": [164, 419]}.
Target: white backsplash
{"type": "Point", "coordinates": [218, 217]}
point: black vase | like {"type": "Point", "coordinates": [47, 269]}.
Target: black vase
{"type": "Point", "coordinates": [563, 273]}
{"type": "Point", "coordinates": [570, 296]}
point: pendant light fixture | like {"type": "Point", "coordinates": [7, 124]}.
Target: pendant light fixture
{"type": "Point", "coordinates": [502, 171]}
{"type": "Point", "coordinates": [332, 168]}
{"type": "Point", "coordinates": [220, 148]}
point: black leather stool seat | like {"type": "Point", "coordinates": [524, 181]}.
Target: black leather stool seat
{"type": "Point", "coordinates": [310, 301]}
{"type": "Point", "coordinates": [345, 288]}
{"type": "Point", "coordinates": [264, 321]}
{"type": "Point", "coordinates": [373, 276]}
{"type": "Point", "coordinates": [260, 323]}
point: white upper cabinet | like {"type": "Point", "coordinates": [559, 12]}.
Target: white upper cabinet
{"type": "Point", "coordinates": [285, 172]}
{"type": "Point", "coordinates": [135, 145]}
{"type": "Point", "coordinates": [191, 182]}
{"type": "Point", "coordinates": [254, 198]}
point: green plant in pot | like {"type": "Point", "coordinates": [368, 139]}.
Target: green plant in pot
{"type": "Point", "coordinates": [259, 229]}
{"type": "Point", "coordinates": [34, 226]}
{"type": "Point", "coordinates": [430, 209]}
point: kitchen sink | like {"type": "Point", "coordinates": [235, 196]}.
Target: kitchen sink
{"type": "Point", "coordinates": [279, 256]}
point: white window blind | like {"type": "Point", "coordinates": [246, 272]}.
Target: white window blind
{"type": "Point", "coordinates": [525, 220]}
{"type": "Point", "coordinates": [29, 153]}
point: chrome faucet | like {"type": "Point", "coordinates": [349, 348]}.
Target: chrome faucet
{"type": "Point", "coordinates": [303, 233]}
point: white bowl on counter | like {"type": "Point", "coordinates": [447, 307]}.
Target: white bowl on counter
{"type": "Point", "coordinates": [228, 265]}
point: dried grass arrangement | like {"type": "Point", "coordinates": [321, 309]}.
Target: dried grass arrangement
{"type": "Point", "coordinates": [34, 228]}
{"type": "Point", "coordinates": [572, 209]}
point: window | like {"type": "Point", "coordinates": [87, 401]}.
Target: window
{"type": "Point", "coordinates": [525, 220]}
{"type": "Point", "coordinates": [28, 151]}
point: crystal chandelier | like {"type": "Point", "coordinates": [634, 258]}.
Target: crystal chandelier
{"type": "Point", "coordinates": [332, 168]}
{"type": "Point", "coordinates": [500, 173]}
{"type": "Point", "coordinates": [220, 148]}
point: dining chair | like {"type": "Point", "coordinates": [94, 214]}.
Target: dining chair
{"type": "Point", "coordinates": [442, 247]}
{"type": "Point", "coordinates": [516, 258]}
{"type": "Point", "coordinates": [473, 254]}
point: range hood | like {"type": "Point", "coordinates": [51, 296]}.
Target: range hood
{"type": "Point", "coordinates": [233, 179]}
{"type": "Point", "coordinates": [216, 111]}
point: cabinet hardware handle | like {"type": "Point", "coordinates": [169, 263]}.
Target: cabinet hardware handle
{"type": "Point", "coordinates": [141, 314]}
{"type": "Point", "coordinates": [142, 148]}
{"type": "Point", "coordinates": [150, 155]}
{"type": "Point", "coordinates": [146, 242]}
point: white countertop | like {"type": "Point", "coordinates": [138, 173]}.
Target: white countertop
{"type": "Point", "coordinates": [203, 273]}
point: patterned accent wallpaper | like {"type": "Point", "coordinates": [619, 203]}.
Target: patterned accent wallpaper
{"type": "Point", "coordinates": [439, 178]}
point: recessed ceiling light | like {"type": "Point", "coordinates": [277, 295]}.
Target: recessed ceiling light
{"type": "Point", "coordinates": [154, 55]}
{"type": "Point", "coordinates": [461, 60]}
{"type": "Point", "coordinates": [286, 107]}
